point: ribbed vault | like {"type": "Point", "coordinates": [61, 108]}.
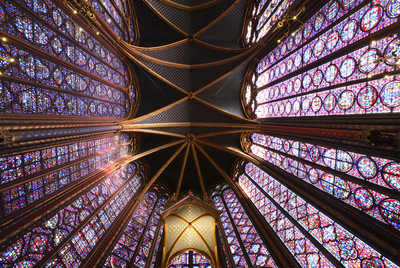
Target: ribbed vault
{"type": "Point", "coordinates": [200, 72]}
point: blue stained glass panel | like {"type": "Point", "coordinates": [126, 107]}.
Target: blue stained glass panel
{"type": "Point", "coordinates": [44, 237]}
{"type": "Point", "coordinates": [340, 243]}
{"type": "Point", "coordinates": [382, 172]}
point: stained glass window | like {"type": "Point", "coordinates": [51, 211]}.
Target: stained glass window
{"type": "Point", "coordinates": [58, 167]}
{"type": "Point", "coordinates": [337, 172]}
{"type": "Point", "coordinates": [298, 79]}
{"type": "Point", "coordinates": [133, 246]}
{"type": "Point", "coordinates": [68, 72]}
{"type": "Point", "coordinates": [244, 242]}
{"type": "Point", "coordinates": [94, 211]}
{"type": "Point", "coordinates": [190, 259]}
{"type": "Point", "coordinates": [264, 16]}
{"type": "Point", "coordinates": [302, 227]}
{"type": "Point", "coordinates": [115, 17]}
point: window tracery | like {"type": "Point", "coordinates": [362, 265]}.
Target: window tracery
{"type": "Point", "coordinates": [68, 72]}
{"type": "Point", "coordinates": [245, 245]}
{"type": "Point", "coordinates": [363, 81]}
{"type": "Point", "coordinates": [134, 244]}
{"type": "Point", "coordinates": [302, 227]}
{"type": "Point", "coordinates": [265, 14]}
{"type": "Point", "coordinates": [316, 165]}
{"type": "Point", "coordinates": [62, 165]}
{"type": "Point", "coordinates": [96, 209]}
{"type": "Point", "coordinates": [190, 257]}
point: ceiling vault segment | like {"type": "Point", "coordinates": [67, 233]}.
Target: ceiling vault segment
{"type": "Point", "coordinates": [137, 53]}
{"type": "Point", "coordinates": [226, 12]}
{"type": "Point", "coordinates": [197, 70]}
{"type": "Point", "coordinates": [178, 28]}
{"type": "Point", "coordinates": [191, 8]}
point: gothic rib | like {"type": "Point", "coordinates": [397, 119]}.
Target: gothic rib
{"type": "Point", "coordinates": [184, 230]}
{"type": "Point", "coordinates": [138, 156]}
{"type": "Point", "coordinates": [144, 130]}
{"type": "Point", "coordinates": [161, 170]}
{"type": "Point", "coordinates": [254, 123]}
{"type": "Point", "coordinates": [144, 66]}
{"type": "Point", "coordinates": [131, 50]}
{"type": "Point", "coordinates": [157, 48]}
{"type": "Point", "coordinates": [226, 12]}
{"type": "Point", "coordinates": [196, 161]}
{"type": "Point", "coordinates": [182, 172]}
{"type": "Point", "coordinates": [166, 107]}
{"type": "Point", "coordinates": [190, 8]}
{"type": "Point", "coordinates": [212, 134]}
{"type": "Point", "coordinates": [223, 49]}
{"type": "Point", "coordinates": [247, 60]}
{"type": "Point", "coordinates": [165, 19]}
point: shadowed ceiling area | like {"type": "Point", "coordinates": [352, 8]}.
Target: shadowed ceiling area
{"type": "Point", "coordinates": [190, 80]}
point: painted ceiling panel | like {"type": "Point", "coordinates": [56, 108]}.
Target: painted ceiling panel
{"type": "Point", "coordinates": [190, 111]}
{"type": "Point", "coordinates": [174, 228]}
{"type": "Point", "coordinates": [204, 227]}
{"type": "Point", "coordinates": [190, 239]}
{"type": "Point", "coordinates": [190, 213]}
{"type": "Point", "coordinates": [190, 53]}
{"type": "Point", "coordinates": [232, 25]}
{"type": "Point", "coordinates": [190, 79]}
{"type": "Point", "coordinates": [191, 3]}
{"type": "Point", "coordinates": [190, 22]}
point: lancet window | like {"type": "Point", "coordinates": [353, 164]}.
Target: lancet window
{"type": "Point", "coordinates": [323, 70]}
{"type": "Point", "coordinates": [69, 71]}
{"type": "Point", "coordinates": [345, 175]}
{"type": "Point", "coordinates": [31, 176]}
{"type": "Point", "coordinates": [66, 236]}
{"type": "Point", "coordinates": [245, 244]}
{"type": "Point", "coordinates": [311, 236]}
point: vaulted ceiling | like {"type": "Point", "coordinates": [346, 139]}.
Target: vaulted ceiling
{"type": "Point", "coordinates": [189, 67]}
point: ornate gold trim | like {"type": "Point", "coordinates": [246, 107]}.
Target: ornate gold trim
{"type": "Point", "coordinates": [196, 161]}
{"type": "Point", "coordinates": [154, 73]}
{"type": "Point", "coordinates": [157, 48]}
{"type": "Point", "coordinates": [217, 19]}
{"type": "Point", "coordinates": [143, 130]}
{"type": "Point", "coordinates": [190, 8]}
{"type": "Point", "coordinates": [165, 19]}
{"type": "Point", "coordinates": [161, 170]}
{"type": "Point", "coordinates": [137, 119]}
{"type": "Point", "coordinates": [225, 112]}
{"type": "Point", "coordinates": [178, 187]}
{"type": "Point", "coordinates": [191, 124]}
